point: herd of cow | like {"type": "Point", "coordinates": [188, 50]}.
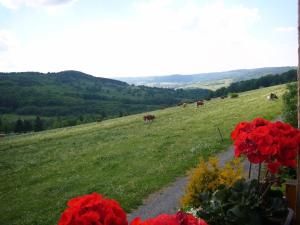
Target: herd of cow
{"type": "Point", "coordinates": [150, 118]}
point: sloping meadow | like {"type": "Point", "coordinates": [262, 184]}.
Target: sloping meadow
{"type": "Point", "coordinates": [125, 158]}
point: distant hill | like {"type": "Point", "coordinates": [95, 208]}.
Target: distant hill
{"type": "Point", "coordinates": [182, 81]}
{"type": "Point", "coordinates": [75, 93]}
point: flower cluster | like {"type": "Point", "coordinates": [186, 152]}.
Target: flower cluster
{"type": "Point", "coordinates": [93, 209]}
{"type": "Point", "coordinates": [180, 218]}
{"type": "Point", "coordinates": [276, 144]}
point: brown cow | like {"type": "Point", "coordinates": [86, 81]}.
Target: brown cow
{"type": "Point", "coordinates": [272, 96]}
{"type": "Point", "coordinates": [200, 103]}
{"type": "Point", "coordinates": [149, 118]}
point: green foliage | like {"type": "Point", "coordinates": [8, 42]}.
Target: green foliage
{"type": "Point", "coordinates": [22, 126]}
{"type": "Point", "coordinates": [19, 126]}
{"type": "Point", "coordinates": [233, 95]}
{"type": "Point", "coordinates": [27, 125]}
{"type": "Point", "coordinates": [38, 124]}
{"type": "Point", "coordinates": [290, 105]}
{"type": "Point", "coordinates": [242, 204]}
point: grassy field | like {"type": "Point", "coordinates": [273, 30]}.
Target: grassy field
{"type": "Point", "coordinates": [125, 158]}
{"type": "Point", "coordinates": [214, 85]}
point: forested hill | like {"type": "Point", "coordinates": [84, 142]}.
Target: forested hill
{"type": "Point", "coordinates": [252, 84]}
{"type": "Point", "coordinates": [73, 93]}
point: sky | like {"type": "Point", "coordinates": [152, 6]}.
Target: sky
{"type": "Point", "coordinates": [118, 38]}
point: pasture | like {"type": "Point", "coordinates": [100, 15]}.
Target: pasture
{"type": "Point", "coordinates": [124, 158]}
{"type": "Point", "coordinates": [212, 85]}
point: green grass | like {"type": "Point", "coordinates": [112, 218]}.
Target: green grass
{"type": "Point", "coordinates": [122, 158]}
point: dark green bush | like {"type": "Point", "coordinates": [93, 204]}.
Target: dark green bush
{"type": "Point", "coordinates": [290, 104]}
{"type": "Point", "coordinates": [233, 95]}
{"type": "Point", "coordinates": [243, 203]}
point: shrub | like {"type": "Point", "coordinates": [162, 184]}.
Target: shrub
{"type": "Point", "coordinates": [243, 203]}
{"type": "Point", "coordinates": [290, 104]}
{"type": "Point", "coordinates": [233, 95]}
{"type": "Point", "coordinates": [208, 177]}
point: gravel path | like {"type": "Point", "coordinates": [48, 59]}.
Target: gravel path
{"type": "Point", "coordinates": [167, 199]}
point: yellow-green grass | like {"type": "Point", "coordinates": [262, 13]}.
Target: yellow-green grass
{"type": "Point", "coordinates": [213, 85]}
{"type": "Point", "coordinates": [125, 158]}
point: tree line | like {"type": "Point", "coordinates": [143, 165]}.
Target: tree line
{"type": "Point", "coordinates": [22, 125]}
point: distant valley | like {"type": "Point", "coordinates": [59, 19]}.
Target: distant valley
{"type": "Point", "coordinates": [211, 81]}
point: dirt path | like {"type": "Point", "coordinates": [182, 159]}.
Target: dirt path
{"type": "Point", "coordinates": [167, 199]}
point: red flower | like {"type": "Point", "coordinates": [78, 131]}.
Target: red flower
{"type": "Point", "coordinates": [240, 128]}
{"type": "Point", "coordinates": [93, 209]}
{"type": "Point", "coordinates": [276, 144]}
{"type": "Point", "coordinates": [260, 122]}
{"type": "Point", "coordinates": [162, 219]}
{"type": "Point", "coordinates": [180, 218]}
{"type": "Point", "coordinates": [189, 219]}
{"type": "Point", "coordinates": [273, 167]}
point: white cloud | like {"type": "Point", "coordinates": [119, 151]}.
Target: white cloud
{"type": "Point", "coordinates": [285, 29]}
{"type": "Point", "coordinates": [160, 38]}
{"type": "Point", "coordinates": [15, 4]}
{"type": "Point", "coordinates": [9, 47]}
{"type": "Point", "coordinates": [7, 40]}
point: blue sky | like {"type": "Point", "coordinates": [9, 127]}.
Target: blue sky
{"type": "Point", "coordinates": [146, 37]}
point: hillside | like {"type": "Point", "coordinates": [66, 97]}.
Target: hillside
{"type": "Point", "coordinates": [123, 158]}
{"type": "Point", "coordinates": [205, 80]}
{"type": "Point", "coordinates": [72, 94]}
{"type": "Point", "coordinates": [76, 93]}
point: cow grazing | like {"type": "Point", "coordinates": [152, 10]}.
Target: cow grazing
{"type": "Point", "coordinates": [149, 118]}
{"type": "Point", "coordinates": [184, 105]}
{"type": "Point", "coordinates": [272, 96]}
{"type": "Point", "coordinates": [200, 103]}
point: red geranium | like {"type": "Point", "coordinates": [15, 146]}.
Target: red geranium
{"type": "Point", "coordinates": [93, 209]}
{"type": "Point", "coordinates": [180, 218]}
{"type": "Point", "coordinates": [276, 144]}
